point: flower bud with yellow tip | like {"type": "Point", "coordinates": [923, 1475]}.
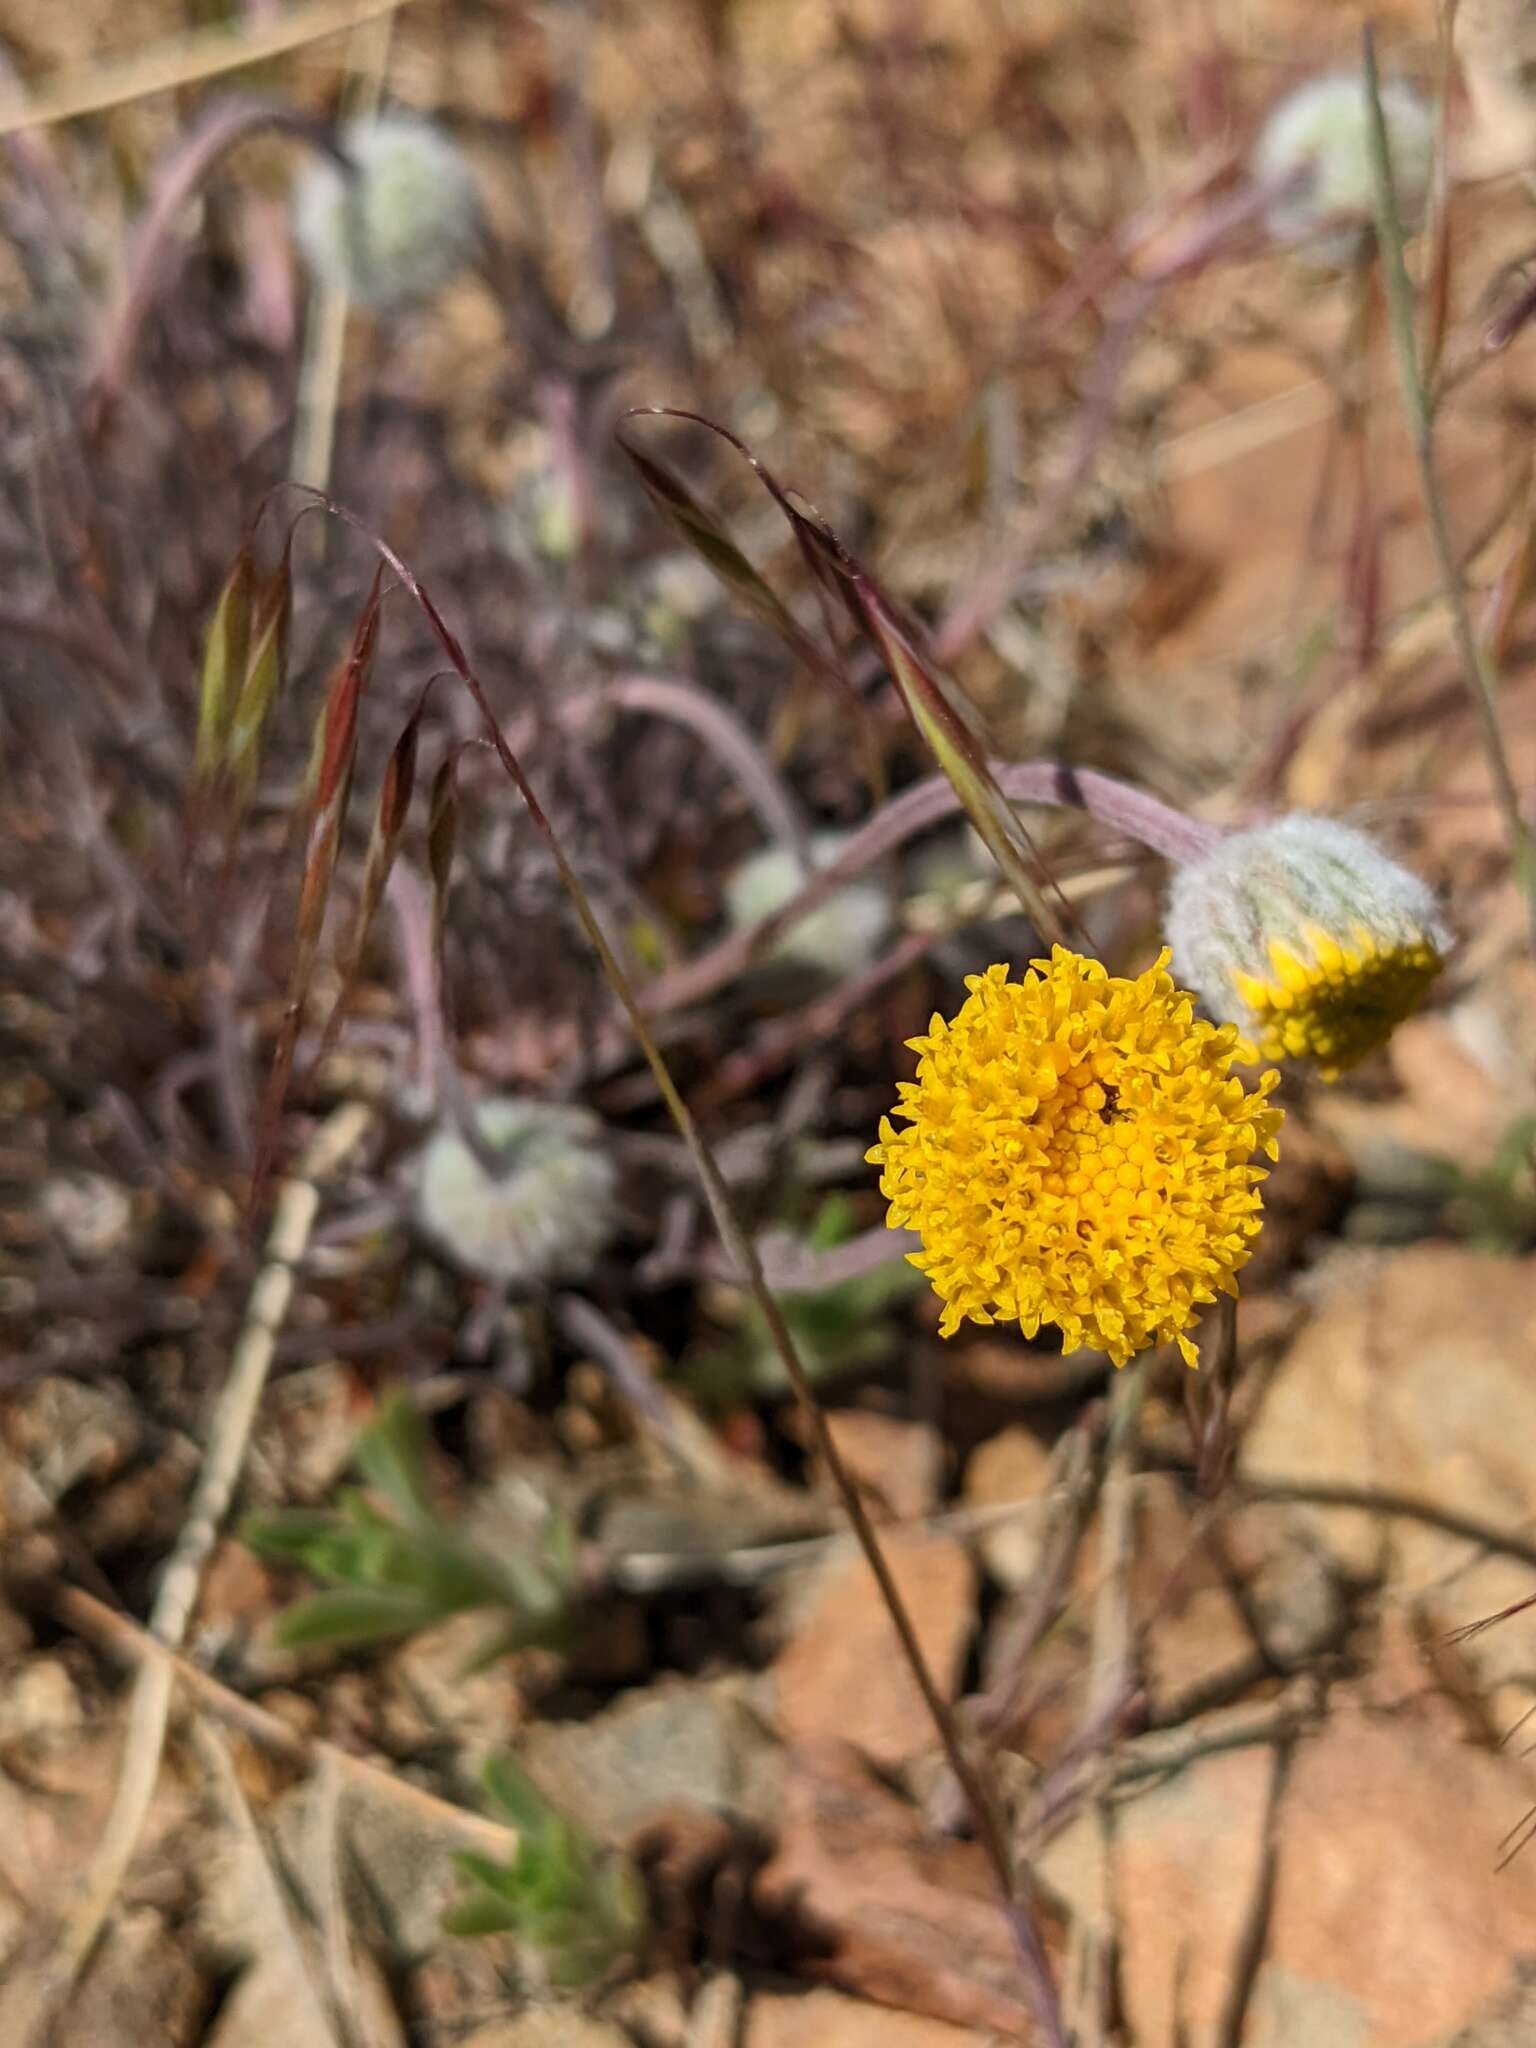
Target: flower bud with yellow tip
{"type": "Point", "coordinates": [1307, 936]}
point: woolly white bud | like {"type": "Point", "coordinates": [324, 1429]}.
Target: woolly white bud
{"type": "Point", "coordinates": [401, 225]}
{"type": "Point", "coordinates": [1307, 936]}
{"type": "Point", "coordinates": [839, 938]}
{"type": "Point", "coordinates": [1317, 144]}
{"type": "Point", "coordinates": [550, 1210]}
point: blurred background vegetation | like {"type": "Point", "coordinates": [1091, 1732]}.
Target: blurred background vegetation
{"type": "Point", "coordinates": [974, 277]}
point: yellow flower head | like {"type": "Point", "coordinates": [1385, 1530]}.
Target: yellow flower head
{"type": "Point", "coordinates": [1307, 936]}
{"type": "Point", "coordinates": [1078, 1152]}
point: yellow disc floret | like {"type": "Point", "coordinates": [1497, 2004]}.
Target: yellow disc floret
{"type": "Point", "coordinates": [1078, 1152]}
{"type": "Point", "coordinates": [1333, 999]}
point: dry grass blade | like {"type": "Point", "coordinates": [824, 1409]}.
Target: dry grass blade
{"type": "Point", "coordinates": [327, 815]}
{"type": "Point", "coordinates": [442, 840]}
{"type": "Point", "coordinates": [185, 60]}
{"type": "Point", "coordinates": [945, 719]}
{"type": "Point", "coordinates": [383, 845]}
{"type": "Point", "coordinates": [740, 1247]}
{"type": "Point", "coordinates": [707, 535]}
{"type": "Point", "coordinates": [1471, 1629]}
{"type": "Point", "coordinates": [945, 723]}
{"type": "Point", "coordinates": [1437, 287]}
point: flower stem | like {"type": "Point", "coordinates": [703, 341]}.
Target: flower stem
{"type": "Point", "coordinates": [1145, 818]}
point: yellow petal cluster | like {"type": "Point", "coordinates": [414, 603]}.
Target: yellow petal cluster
{"type": "Point", "coordinates": [1078, 1152]}
{"type": "Point", "coordinates": [1332, 999]}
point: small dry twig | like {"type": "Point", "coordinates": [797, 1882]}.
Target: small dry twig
{"type": "Point", "coordinates": [124, 1637]}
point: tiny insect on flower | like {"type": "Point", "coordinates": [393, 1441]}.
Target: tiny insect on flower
{"type": "Point", "coordinates": [1307, 936]}
{"type": "Point", "coordinates": [1078, 1152]}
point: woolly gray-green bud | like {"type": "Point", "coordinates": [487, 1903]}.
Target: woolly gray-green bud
{"type": "Point", "coordinates": [1319, 139]}
{"type": "Point", "coordinates": [402, 225]}
{"type": "Point", "coordinates": [841, 937]}
{"type": "Point", "coordinates": [1307, 936]}
{"type": "Point", "coordinates": [549, 1211]}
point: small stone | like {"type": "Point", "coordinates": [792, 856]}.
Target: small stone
{"type": "Point", "coordinates": [843, 1679]}
{"type": "Point", "coordinates": [397, 1869]}
{"type": "Point", "coordinates": [559, 2026]}
{"type": "Point", "coordinates": [894, 1463]}
{"type": "Point", "coordinates": [677, 1744]}
{"type": "Point", "coordinates": [1011, 1468]}
{"type": "Point", "coordinates": [1294, 1596]}
{"type": "Point", "coordinates": [433, 1695]}
{"type": "Point", "coordinates": [1197, 1644]}
{"type": "Point", "coordinates": [1407, 1943]}
{"type": "Point", "coordinates": [38, 1702]}
{"type": "Point", "coordinates": [889, 1911]}
{"type": "Point", "coordinates": [829, 2020]}
{"type": "Point", "coordinates": [1414, 1378]}
{"type": "Point", "coordinates": [274, 2001]}
{"type": "Point", "coordinates": [655, 2011]}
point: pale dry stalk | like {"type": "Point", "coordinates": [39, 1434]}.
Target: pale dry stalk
{"type": "Point", "coordinates": [325, 332]}
{"type": "Point", "coordinates": [229, 1434]}
{"type": "Point", "coordinates": [1111, 1677]}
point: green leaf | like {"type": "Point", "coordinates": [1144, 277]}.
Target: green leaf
{"type": "Point", "coordinates": [391, 1455]}
{"type": "Point", "coordinates": [224, 662]}
{"type": "Point", "coordinates": [393, 1565]}
{"type": "Point", "coordinates": [286, 1535]}
{"type": "Point", "coordinates": [265, 672]}
{"type": "Point", "coordinates": [348, 1618]}
{"type": "Point", "coordinates": [500, 1878]}
{"type": "Point", "coordinates": [481, 1915]}
{"type": "Point", "coordinates": [515, 1797]}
